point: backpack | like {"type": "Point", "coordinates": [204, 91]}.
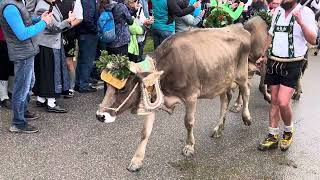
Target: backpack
{"type": "Point", "coordinates": [106, 27]}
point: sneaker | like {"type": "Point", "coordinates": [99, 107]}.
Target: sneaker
{"type": "Point", "coordinates": [286, 141]}
{"type": "Point", "coordinates": [56, 109]}
{"type": "Point", "coordinates": [88, 90]}
{"type": "Point", "coordinates": [270, 142]}
{"type": "Point", "coordinates": [67, 94]}
{"type": "Point", "coordinates": [6, 104]}
{"type": "Point", "coordinates": [30, 116]}
{"type": "Point", "coordinates": [23, 129]}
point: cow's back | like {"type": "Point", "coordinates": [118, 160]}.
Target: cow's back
{"type": "Point", "coordinates": [202, 59]}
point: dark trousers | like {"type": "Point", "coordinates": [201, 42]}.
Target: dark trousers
{"type": "Point", "coordinates": [87, 54]}
{"type": "Point", "coordinates": [6, 66]}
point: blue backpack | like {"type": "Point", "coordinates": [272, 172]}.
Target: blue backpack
{"type": "Point", "coordinates": [106, 27]}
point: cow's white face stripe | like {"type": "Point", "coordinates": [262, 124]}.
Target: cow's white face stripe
{"type": "Point", "coordinates": [107, 117]}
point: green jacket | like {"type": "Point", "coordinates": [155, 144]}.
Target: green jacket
{"type": "Point", "coordinates": [227, 8]}
{"type": "Point", "coordinates": [135, 29]}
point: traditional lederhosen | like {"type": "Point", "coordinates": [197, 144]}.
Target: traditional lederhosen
{"type": "Point", "coordinates": [285, 67]}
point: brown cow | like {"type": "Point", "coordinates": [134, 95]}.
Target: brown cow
{"type": "Point", "coordinates": [199, 64]}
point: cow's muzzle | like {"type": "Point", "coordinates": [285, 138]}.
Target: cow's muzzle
{"type": "Point", "coordinates": [105, 117]}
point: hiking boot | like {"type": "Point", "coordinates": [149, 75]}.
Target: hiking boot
{"type": "Point", "coordinates": [286, 141]}
{"type": "Point", "coordinates": [29, 116]}
{"type": "Point", "coordinates": [26, 128]}
{"type": "Point", "coordinates": [270, 142]}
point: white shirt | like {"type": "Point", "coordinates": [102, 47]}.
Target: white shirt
{"type": "Point", "coordinates": [315, 4]}
{"type": "Point", "coordinates": [77, 9]}
{"type": "Point", "coordinates": [280, 43]}
{"type": "Point", "coordinates": [246, 6]}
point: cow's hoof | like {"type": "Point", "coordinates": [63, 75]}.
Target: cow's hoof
{"type": "Point", "coordinates": [247, 121]}
{"type": "Point", "coordinates": [188, 151]}
{"type": "Point", "coordinates": [217, 131]}
{"type": "Point", "coordinates": [267, 98]}
{"type": "Point", "coordinates": [236, 108]}
{"type": "Point", "coordinates": [134, 167]}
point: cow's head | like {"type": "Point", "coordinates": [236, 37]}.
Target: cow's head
{"type": "Point", "coordinates": [117, 101]}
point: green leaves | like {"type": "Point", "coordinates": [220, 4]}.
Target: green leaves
{"type": "Point", "coordinates": [265, 16]}
{"type": "Point", "coordinates": [116, 65]}
{"type": "Point", "coordinates": [218, 18]}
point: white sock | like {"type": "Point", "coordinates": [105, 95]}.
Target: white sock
{"type": "Point", "coordinates": [51, 102]}
{"type": "Point", "coordinates": [41, 99]}
{"type": "Point", "coordinates": [3, 90]}
{"type": "Point", "coordinates": [273, 131]}
{"type": "Point", "coordinates": [288, 128]}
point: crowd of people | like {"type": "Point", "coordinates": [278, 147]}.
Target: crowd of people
{"type": "Point", "coordinates": [50, 46]}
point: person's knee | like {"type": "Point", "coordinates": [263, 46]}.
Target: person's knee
{"type": "Point", "coordinates": [283, 103]}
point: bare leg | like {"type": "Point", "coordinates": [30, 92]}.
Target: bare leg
{"type": "Point", "coordinates": [223, 109]}
{"type": "Point", "coordinates": [72, 71]}
{"type": "Point", "coordinates": [274, 114]}
{"type": "Point", "coordinates": [137, 160]}
{"type": "Point", "coordinates": [189, 120]}
{"type": "Point", "coordinates": [284, 99]}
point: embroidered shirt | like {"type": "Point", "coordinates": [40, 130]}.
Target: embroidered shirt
{"type": "Point", "coordinates": [280, 39]}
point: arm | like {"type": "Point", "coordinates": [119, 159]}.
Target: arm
{"type": "Point", "coordinates": [190, 20]}
{"type": "Point", "coordinates": [234, 14]}
{"type": "Point", "coordinates": [308, 25]}
{"type": "Point", "coordinates": [13, 18]}
{"type": "Point", "coordinates": [174, 9]}
{"type": "Point", "coordinates": [127, 15]}
{"type": "Point", "coordinates": [55, 26]}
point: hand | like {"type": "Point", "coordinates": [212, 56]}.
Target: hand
{"type": "Point", "coordinates": [241, 4]}
{"type": "Point", "coordinates": [297, 15]}
{"type": "Point", "coordinates": [234, 5]}
{"type": "Point", "coordinates": [261, 60]}
{"type": "Point", "coordinates": [197, 4]}
{"type": "Point", "coordinates": [71, 17]}
{"type": "Point", "coordinates": [44, 14]}
{"type": "Point", "coordinates": [202, 13]}
{"type": "Point", "coordinates": [47, 17]}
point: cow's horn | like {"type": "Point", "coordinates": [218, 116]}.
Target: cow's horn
{"type": "Point", "coordinates": [133, 67]}
{"type": "Point", "coordinates": [152, 78]}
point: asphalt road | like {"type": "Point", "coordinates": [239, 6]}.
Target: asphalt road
{"type": "Point", "coordinates": [77, 146]}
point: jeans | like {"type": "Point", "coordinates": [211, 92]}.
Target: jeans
{"type": "Point", "coordinates": [23, 71]}
{"type": "Point", "coordinates": [160, 36]}
{"type": "Point", "coordinates": [87, 54]}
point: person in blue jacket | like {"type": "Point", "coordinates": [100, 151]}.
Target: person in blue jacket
{"type": "Point", "coordinates": [19, 32]}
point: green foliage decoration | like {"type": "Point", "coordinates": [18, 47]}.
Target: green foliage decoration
{"type": "Point", "coordinates": [116, 65]}
{"type": "Point", "coordinates": [218, 18]}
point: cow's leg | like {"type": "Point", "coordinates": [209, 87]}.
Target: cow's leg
{"type": "Point", "coordinates": [189, 120]}
{"type": "Point", "coordinates": [245, 91]}
{"type": "Point", "coordinates": [137, 160]}
{"type": "Point", "coordinates": [262, 87]}
{"type": "Point", "coordinates": [224, 101]}
{"type": "Point", "coordinates": [169, 103]}
{"type": "Point", "coordinates": [237, 107]}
